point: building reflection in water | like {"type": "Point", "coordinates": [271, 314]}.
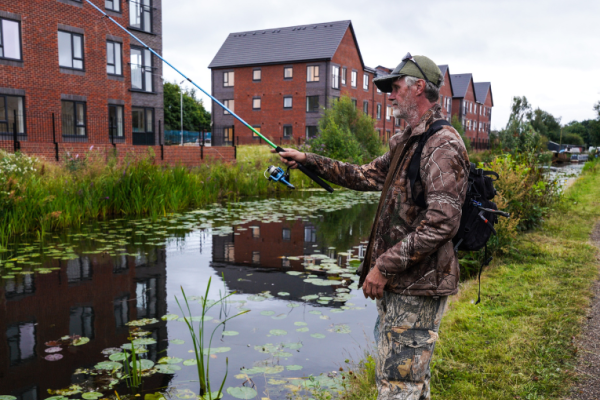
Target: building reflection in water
{"type": "Point", "coordinates": [93, 296]}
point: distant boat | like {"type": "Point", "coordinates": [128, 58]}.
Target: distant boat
{"type": "Point", "coordinates": [575, 158]}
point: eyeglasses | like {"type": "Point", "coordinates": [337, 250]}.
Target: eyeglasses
{"type": "Point", "coordinates": [409, 57]}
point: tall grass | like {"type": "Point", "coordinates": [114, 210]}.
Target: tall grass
{"type": "Point", "coordinates": [39, 196]}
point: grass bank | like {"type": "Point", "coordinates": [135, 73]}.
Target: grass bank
{"type": "Point", "coordinates": [517, 344]}
{"type": "Point", "coordinates": [36, 196]}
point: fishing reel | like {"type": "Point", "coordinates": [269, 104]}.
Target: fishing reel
{"type": "Point", "coordinates": [277, 174]}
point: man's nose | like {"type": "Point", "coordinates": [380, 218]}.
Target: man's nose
{"type": "Point", "coordinates": [392, 96]}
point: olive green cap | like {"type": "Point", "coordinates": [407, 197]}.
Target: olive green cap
{"type": "Point", "coordinates": [408, 68]}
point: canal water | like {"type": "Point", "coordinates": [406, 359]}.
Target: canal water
{"type": "Point", "coordinates": [290, 264]}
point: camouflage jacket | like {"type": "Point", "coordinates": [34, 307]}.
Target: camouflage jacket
{"type": "Point", "coordinates": [410, 243]}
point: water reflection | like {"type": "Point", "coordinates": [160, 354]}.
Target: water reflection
{"type": "Point", "coordinates": [99, 290]}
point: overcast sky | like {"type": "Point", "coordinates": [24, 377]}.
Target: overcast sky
{"type": "Point", "coordinates": [546, 50]}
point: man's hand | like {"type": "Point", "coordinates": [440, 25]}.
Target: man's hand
{"type": "Point", "coordinates": [374, 284]}
{"type": "Point", "coordinates": [295, 155]}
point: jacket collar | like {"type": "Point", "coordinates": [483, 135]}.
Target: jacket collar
{"type": "Point", "coordinates": [426, 120]}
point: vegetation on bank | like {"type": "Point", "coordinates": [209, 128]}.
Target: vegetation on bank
{"type": "Point", "coordinates": [36, 196]}
{"type": "Point", "coordinates": [518, 342]}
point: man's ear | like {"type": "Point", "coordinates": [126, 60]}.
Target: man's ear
{"type": "Point", "coordinates": [420, 87]}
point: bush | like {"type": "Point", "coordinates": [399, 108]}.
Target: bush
{"type": "Point", "coordinates": [346, 134]}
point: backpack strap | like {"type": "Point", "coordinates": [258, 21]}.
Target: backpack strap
{"type": "Point", "coordinates": [414, 170]}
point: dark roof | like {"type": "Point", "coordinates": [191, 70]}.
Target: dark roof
{"type": "Point", "coordinates": [283, 45]}
{"type": "Point", "coordinates": [481, 91]}
{"type": "Point", "coordinates": [444, 69]}
{"type": "Point", "coordinates": [460, 84]}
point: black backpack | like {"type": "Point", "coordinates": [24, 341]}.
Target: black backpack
{"type": "Point", "coordinates": [479, 213]}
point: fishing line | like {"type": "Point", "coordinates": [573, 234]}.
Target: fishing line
{"type": "Point", "coordinates": [301, 167]}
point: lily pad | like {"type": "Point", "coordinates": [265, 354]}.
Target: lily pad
{"type": "Point", "coordinates": [170, 360]}
{"type": "Point", "coordinates": [315, 312]}
{"type": "Point", "coordinates": [169, 317]}
{"type": "Point", "coordinates": [283, 294]}
{"type": "Point", "coordinates": [53, 357]}
{"type": "Point", "coordinates": [109, 365]}
{"type": "Point", "coordinates": [318, 336]}
{"type": "Point", "coordinates": [111, 350]}
{"type": "Point", "coordinates": [215, 350]}
{"type": "Point", "coordinates": [177, 341]}
{"type": "Point", "coordinates": [80, 341]}
{"type": "Point", "coordinates": [230, 333]}
{"type": "Point", "coordinates": [11, 397]}
{"type": "Point", "coordinates": [293, 367]}
{"type": "Point", "coordinates": [342, 328]}
{"type": "Point", "coordinates": [167, 369]}
{"type": "Point", "coordinates": [53, 349]}
{"type": "Point", "coordinates": [280, 316]}
{"type": "Point", "coordinates": [278, 332]}
{"type": "Point", "coordinates": [310, 297]}
{"type": "Point", "coordinates": [91, 395]}
{"type": "Point", "coordinates": [144, 341]}
{"type": "Point", "coordinates": [267, 312]}
{"type": "Point", "coordinates": [118, 357]}
{"type": "Point", "coordinates": [293, 259]}
{"type": "Point", "coordinates": [304, 329]}
{"type": "Point", "coordinates": [142, 322]}
{"type": "Point", "coordinates": [143, 364]}
{"type": "Point", "coordinates": [294, 273]}
{"type": "Point", "coordinates": [293, 305]}
{"type": "Point", "coordinates": [191, 361]}
{"type": "Point", "coordinates": [300, 323]}
{"type": "Point", "coordinates": [51, 398]}
{"type": "Point", "coordinates": [242, 392]}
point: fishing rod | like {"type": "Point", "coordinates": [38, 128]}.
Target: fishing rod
{"type": "Point", "coordinates": [278, 149]}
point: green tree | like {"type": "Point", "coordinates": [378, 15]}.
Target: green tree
{"type": "Point", "coordinates": [597, 109]}
{"type": "Point", "coordinates": [347, 134]}
{"type": "Point", "coordinates": [456, 124]}
{"type": "Point", "coordinates": [546, 124]}
{"type": "Point", "coordinates": [195, 116]}
{"type": "Point", "coordinates": [519, 136]}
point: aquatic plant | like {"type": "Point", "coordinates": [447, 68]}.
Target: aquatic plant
{"type": "Point", "coordinates": [198, 340]}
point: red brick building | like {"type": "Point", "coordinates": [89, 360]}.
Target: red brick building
{"type": "Point", "coordinates": [485, 102]}
{"type": "Point", "coordinates": [446, 93]}
{"type": "Point", "coordinates": [472, 103]}
{"type": "Point", "coordinates": [278, 80]}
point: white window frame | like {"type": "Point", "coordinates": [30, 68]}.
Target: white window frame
{"type": "Point", "coordinates": [4, 40]}
{"type": "Point", "coordinates": [256, 103]}
{"type": "Point", "coordinates": [228, 78]}
{"type": "Point", "coordinates": [256, 72]}
{"type": "Point", "coordinates": [145, 67]}
{"type": "Point", "coordinates": [287, 102]}
{"type": "Point", "coordinates": [366, 81]}
{"type": "Point", "coordinates": [285, 71]}
{"type": "Point", "coordinates": [335, 77]}
{"type": "Point", "coordinates": [312, 73]}
{"type": "Point", "coordinates": [72, 51]}
{"type": "Point", "coordinates": [117, 55]}
{"type": "Point", "coordinates": [353, 78]}
{"type": "Point", "coordinates": [343, 73]}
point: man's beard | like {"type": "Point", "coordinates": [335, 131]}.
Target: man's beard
{"type": "Point", "coordinates": [407, 110]}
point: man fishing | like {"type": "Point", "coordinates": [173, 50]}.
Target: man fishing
{"type": "Point", "coordinates": [410, 266]}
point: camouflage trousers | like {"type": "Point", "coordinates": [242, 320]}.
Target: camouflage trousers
{"type": "Point", "coordinates": [408, 327]}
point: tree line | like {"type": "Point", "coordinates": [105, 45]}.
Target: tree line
{"type": "Point", "coordinates": [195, 116]}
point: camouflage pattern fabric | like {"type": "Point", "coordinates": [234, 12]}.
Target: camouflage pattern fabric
{"type": "Point", "coordinates": [410, 243]}
{"type": "Point", "coordinates": [407, 334]}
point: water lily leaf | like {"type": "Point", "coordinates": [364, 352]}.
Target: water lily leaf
{"type": "Point", "coordinates": [325, 298]}
{"type": "Point", "coordinates": [53, 357]}
{"type": "Point", "coordinates": [305, 329]}
{"type": "Point", "coordinates": [80, 341]}
{"type": "Point", "coordinates": [273, 381]}
{"type": "Point", "coordinates": [323, 301]}
{"type": "Point", "coordinates": [242, 392]}
{"type": "Point", "coordinates": [215, 350]}
{"type": "Point", "coordinates": [143, 364]}
{"type": "Point", "coordinates": [336, 311]}
{"type": "Point", "coordinates": [213, 396]}
{"type": "Point", "coordinates": [169, 360]}
{"type": "Point", "coordinates": [256, 298]}
{"type": "Point", "coordinates": [169, 317]}
{"type": "Point", "coordinates": [274, 370]}
{"type": "Point", "coordinates": [91, 395]}
{"type": "Point", "coordinates": [230, 333]}
{"type": "Point", "coordinates": [267, 312]}
{"type": "Point", "coordinates": [109, 365]}
{"type": "Point", "coordinates": [293, 259]}
{"type": "Point", "coordinates": [277, 332]}
{"type": "Point", "coordinates": [109, 351]}
{"type": "Point", "coordinates": [283, 294]}
{"type": "Point", "coordinates": [167, 369]}
{"type": "Point", "coordinates": [142, 322]}
{"type": "Point", "coordinates": [280, 316]}
{"type": "Point", "coordinates": [191, 361]}
{"type": "Point", "coordinates": [318, 335]}
{"type": "Point", "coordinates": [186, 394]}
{"type": "Point", "coordinates": [293, 346]}
{"type": "Point", "coordinates": [293, 367]}
{"type": "Point", "coordinates": [342, 328]}
{"type": "Point", "coordinates": [293, 305]}
{"type": "Point", "coordinates": [13, 397]}
{"type": "Point", "coordinates": [50, 398]}
{"type": "Point", "coordinates": [282, 354]}
{"type": "Point", "coordinates": [118, 357]}
{"type": "Point", "coordinates": [143, 341]}
{"type": "Point", "coordinates": [53, 349]}
{"type": "Point", "coordinates": [294, 273]}
{"type": "Point", "coordinates": [315, 312]}
{"type": "Point", "coordinates": [176, 341]}
{"type": "Point", "coordinates": [300, 323]}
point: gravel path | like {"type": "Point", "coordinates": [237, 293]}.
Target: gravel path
{"type": "Point", "coordinates": [588, 345]}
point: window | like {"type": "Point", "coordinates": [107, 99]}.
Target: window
{"type": "Point", "coordinates": [115, 121]}
{"type": "Point", "coordinates": [312, 73]}
{"type": "Point", "coordinates": [228, 134]}
{"type": "Point", "coordinates": [388, 113]}
{"type": "Point", "coordinates": [366, 107]}
{"type": "Point", "coordinates": [256, 257]}
{"type": "Point", "coordinates": [311, 132]}
{"type": "Point", "coordinates": [256, 75]}
{"type": "Point", "coordinates": [312, 103]}
{"type": "Point", "coordinates": [228, 79]}
{"type": "Point", "coordinates": [353, 79]}
{"type": "Point", "coordinates": [146, 298]}
{"type": "Point", "coordinates": [310, 234]}
{"type": "Point", "coordinates": [288, 73]}
{"type": "Point", "coordinates": [229, 104]}
{"type": "Point", "coordinates": [254, 135]}
{"type": "Point", "coordinates": [397, 120]}
{"type": "Point", "coordinates": [81, 322]}
{"type": "Point", "coordinates": [335, 77]}
{"type": "Point", "coordinates": [141, 69]}
{"type": "Point", "coordinates": [286, 234]}
{"type": "Point", "coordinates": [256, 103]}
{"type": "Point", "coordinates": [142, 120]}
{"type": "Point", "coordinates": [448, 104]}
{"type": "Point", "coordinates": [354, 102]}
{"type": "Point", "coordinates": [70, 50]}
{"type": "Point", "coordinates": [113, 5]}
{"type": "Point", "coordinates": [378, 111]}
{"type": "Point", "coordinates": [140, 15]}
{"type": "Point", "coordinates": [285, 263]}
{"type": "Point", "coordinates": [8, 106]}
{"type": "Point", "coordinates": [10, 39]}
{"type": "Point", "coordinates": [114, 65]}
{"type": "Point", "coordinates": [73, 118]}
{"type": "Point", "coordinates": [255, 231]}
{"type": "Point", "coordinates": [121, 311]}
{"type": "Point", "coordinates": [343, 76]}
{"type": "Point", "coordinates": [287, 102]}
{"type": "Point", "coordinates": [21, 342]}
{"type": "Point", "coordinates": [365, 82]}
{"type": "Point", "coordinates": [287, 131]}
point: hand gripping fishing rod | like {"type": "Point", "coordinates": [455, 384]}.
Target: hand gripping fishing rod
{"type": "Point", "coordinates": [301, 167]}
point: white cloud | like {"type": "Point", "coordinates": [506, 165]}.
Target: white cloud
{"type": "Point", "coordinates": [546, 51]}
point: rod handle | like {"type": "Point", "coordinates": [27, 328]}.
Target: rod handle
{"type": "Point", "coordinates": [308, 173]}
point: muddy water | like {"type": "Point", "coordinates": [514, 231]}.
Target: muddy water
{"type": "Point", "coordinates": [288, 262]}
